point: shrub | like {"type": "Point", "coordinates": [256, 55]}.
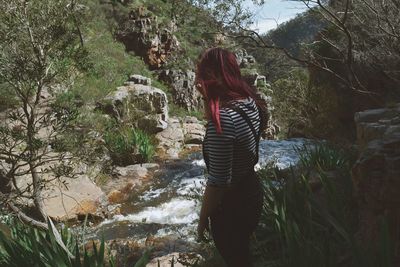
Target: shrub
{"type": "Point", "coordinates": [128, 145]}
{"type": "Point", "coordinates": [304, 110]}
{"type": "Point", "coordinates": [24, 245]}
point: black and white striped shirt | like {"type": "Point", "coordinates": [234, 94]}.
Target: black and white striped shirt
{"type": "Point", "coordinates": [231, 155]}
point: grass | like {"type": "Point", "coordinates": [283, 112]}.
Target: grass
{"type": "Point", "coordinates": [24, 245]}
{"type": "Point", "coordinates": [128, 145]}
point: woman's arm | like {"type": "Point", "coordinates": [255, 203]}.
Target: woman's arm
{"type": "Point", "coordinates": [219, 152]}
{"type": "Point", "coordinates": [211, 198]}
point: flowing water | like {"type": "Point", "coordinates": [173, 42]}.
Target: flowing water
{"type": "Point", "coordinates": [171, 205]}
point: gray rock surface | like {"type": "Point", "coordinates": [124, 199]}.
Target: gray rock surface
{"type": "Point", "coordinates": [142, 105]}
{"type": "Point", "coordinates": [376, 174]}
{"type": "Point", "coordinates": [184, 92]}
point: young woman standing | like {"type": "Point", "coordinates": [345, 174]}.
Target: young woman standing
{"type": "Point", "coordinates": [232, 200]}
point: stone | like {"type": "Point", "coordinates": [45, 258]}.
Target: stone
{"type": "Point", "coordinates": [376, 174]}
{"type": "Point", "coordinates": [193, 130]}
{"type": "Point", "coordinates": [142, 34]}
{"type": "Point", "coordinates": [184, 92]}
{"type": "Point", "coordinates": [144, 106]}
{"type": "Point", "coordinates": [243, 59]}
{"type": "Point", "coordinates": [373, 124]}
{"type": "Point", "coordinates": [178, 259]}
{"type": "Point", "coordinates": [136, 171]}
{"type": "Point", "coordinates": [170, 140]}
{"type": "Point", "coordinates": [80, 196]}
{"type": "Point", "coordinates": [115, 197]}
{"type": "Point", "coordinates": [139, 79]}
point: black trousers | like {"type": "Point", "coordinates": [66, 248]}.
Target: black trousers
{"type": "Point", "coordinates": [236, 219]}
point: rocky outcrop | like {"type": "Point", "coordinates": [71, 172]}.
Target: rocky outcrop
{"type": "Point", "coordinates": [184, 92]}
{"type": "Point", "coordinates": [138, 103]}
{"type": "Point", "coordinates": [271, 128]}
{"type": "Point", "coordinates": [179, 133]}
{"type": "Point", "coordinates": [244, 60]}
{"type": "Point", "coordinates": [141, 33]}
{"type": "Point", "coordinates": [376, 174]}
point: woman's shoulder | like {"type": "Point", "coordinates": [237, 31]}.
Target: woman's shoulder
{"type": "Point", "coordinates": [231, 106]}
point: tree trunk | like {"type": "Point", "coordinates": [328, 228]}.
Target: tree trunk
{"type": "Point", "coordinates": [37, 193]}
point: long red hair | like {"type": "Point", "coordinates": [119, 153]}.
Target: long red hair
{"type": "Point", "coordinates": [219, 80]}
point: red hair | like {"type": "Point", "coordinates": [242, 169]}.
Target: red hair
{"type": "Point", "coordinates": [219, 80]}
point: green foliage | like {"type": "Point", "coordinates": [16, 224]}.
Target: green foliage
{"type": "Point", "coordinates": [25, 245]}
{"type": "Point", "coordinates": [128, 145]}
{"type": "Point", "coordinates": [305, 225]}
{"type": "Point", "coordinates": [175, 110]}
{"type": "Point", "coordinates": [326, 157]}
{"type": "Point", "coordinates": [305, 110]}
{"type": "Point", "coordinates": [108, 65]}
{"type": "Point", "coordinates": [7, 97]}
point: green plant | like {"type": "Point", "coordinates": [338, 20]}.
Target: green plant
{"type": "Point", "coordinates": [325, 157]}
{"type": "Point", "coordinates": [25, 245]}
{"type": "Point", "coordinates": [128, 145]}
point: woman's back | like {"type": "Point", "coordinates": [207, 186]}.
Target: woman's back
{"type": "Point", "coordinates": [231, 155]}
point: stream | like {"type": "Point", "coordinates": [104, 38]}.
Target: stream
{"type": "Point", "coordinates": [172, 203]}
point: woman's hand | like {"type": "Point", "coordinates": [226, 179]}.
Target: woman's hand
{"type": "Point", "coordinates": [203, 226]}
{"type": "Point", "coordinates": [211, 200]}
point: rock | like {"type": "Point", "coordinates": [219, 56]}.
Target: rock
{"type": "Point", "coordinates": [243, 59]}
{"type": "Point", "coordinates": [376, 174]}
{"type": "Point", "coordinates": [126, 252]}
{"type": "Point", "coordinates": [141, 33]}
{"type": "Point", "coordinates": [136, 171]}
{"type": "Point", "coordinates": [171, 139]}
{"type": "Point", "coordinates": [193, 130]}
{"type": "Point", "coordinates": [271, 128]}
{"type": "Point", "coordinates": [139, 79]}
{"type": "Point", "coordinates": [178, 259]}
{"type": "Point", "coordinates": [116, 196]}
{"type": "Point", "coordinates": [81, 196]}
{"type": "Point", "coordinates": [373, 124]}
{"type": "Point", "coordinates": [143, 105]}
{"type": "Point", "coordinates": [184, 92]}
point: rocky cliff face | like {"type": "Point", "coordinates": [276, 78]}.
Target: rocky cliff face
{"type": "Point", "coordinates": [184, 92]}
{"type": "Point", "coordinates": [141, 34]}
{"type": "Point", "coordinates": [376, 174]}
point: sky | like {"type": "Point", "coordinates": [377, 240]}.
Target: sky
{"type": "Point", "coordinates": [274, 12]}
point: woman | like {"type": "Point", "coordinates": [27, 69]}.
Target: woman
{"type": "Point", "coordinates": [232, 200]}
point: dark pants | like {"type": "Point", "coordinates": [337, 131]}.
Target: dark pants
{"type": "Point", "coordinates": [235, 221]}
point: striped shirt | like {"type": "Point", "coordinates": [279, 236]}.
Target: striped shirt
{"type": "Point", "coordinates": [231, 155]}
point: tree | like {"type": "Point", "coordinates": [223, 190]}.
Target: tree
{"type": "Point", "coordinates": [40, 42]}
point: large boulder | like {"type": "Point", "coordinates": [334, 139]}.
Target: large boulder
{"type": "Point", "coordinates": [140, 104]}
{"type": "Point", "coordinates": [184, 92]}
{"type": "Point", "coordinates": [376, 174]}
{"type": "Point", "coordinates": [68, 198]}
